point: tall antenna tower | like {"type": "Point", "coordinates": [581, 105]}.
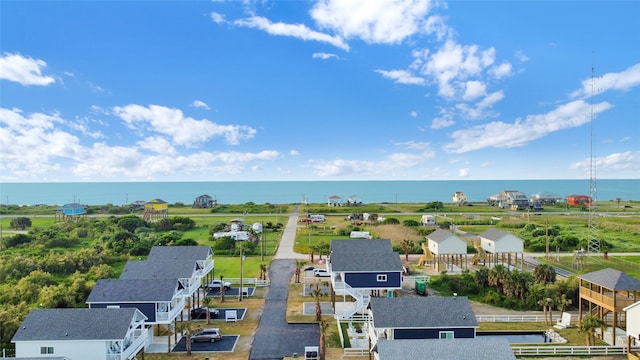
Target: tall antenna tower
{"type": "Point", "coordinates": [593, 236]}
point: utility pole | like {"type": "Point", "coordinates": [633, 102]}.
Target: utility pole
{"type": "Point", "coordinates": [546, 256]}
{"type": "Point", "coordinates": [241, 280]}
{"type": "Point", "coordinates": [262, 249]}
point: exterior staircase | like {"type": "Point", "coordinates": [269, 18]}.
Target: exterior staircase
{"type": "Point", "coordinates": [361, 303]}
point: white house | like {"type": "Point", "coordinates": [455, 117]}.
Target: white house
{"type": "Point", "coordinates": [498, 243]}
{"type": "Point", "coordinates": [428, 220]}
{"type": "Point", "coordinates": [78, 334]}
{"type": "Point", "coordinates": [633, 322]}
{"type": "Point", "coordinates": [447, 248]}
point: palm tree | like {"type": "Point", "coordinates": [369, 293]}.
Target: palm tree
{"type": "Point", "coordinates": [222, 289]}
{"type": "Point", "coordinates": [498, 277]}
{"type": "Point", "coordinates": [549, 303]}
{"type": "Point", "coordinates": [563, 301]}
{"type": "Point", "coordinates": [316, 294]}
{"type": "Point", "coordinates": [263, 271]}
{"type": "Point", "coordinates": [618, 201]}
{"type": "Point", "coordinates": [206, 302]}
{"type": "Point", "coordinates": [323, 339]}
{"type": "Point", "coordinates": [187, 328]}
{"type": "Point", "coordinates": [544, 309]}
{"type": "Point", "coordinates": [588, 325]}
{"type": "Point", "coordinates": [406, 245]}
{"type": "Point", "coordinates": [544, 274]}
{"type": "Point", "coordinates": [299, 265]}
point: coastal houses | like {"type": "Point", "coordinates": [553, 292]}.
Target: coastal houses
{"type": "Point", "coordinates": [475, 348]}
{"type": "Point", "coordinates": [71, 212]}
{"type": "Point", "coordinates": [448, 250]}
{"type": "Point", "coordinates": [509, 199]}
{"type": "Point", "coordinates": [73, 334]}
{"type": "Point", "coordinates": [605, 294]}
{"type": "Point", "coordinates": [204, 202]}
{"type": "Point", "coordinates": [500, 245]}
{"type": "Point", "coordinates": [155, 210]}
{"type": "Point", "coordinates": [432, 317]}
{"type": "Point", "coordinates": [359, 268]}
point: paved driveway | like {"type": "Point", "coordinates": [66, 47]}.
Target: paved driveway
{"type": "Point", "coordinates": [275, 338]}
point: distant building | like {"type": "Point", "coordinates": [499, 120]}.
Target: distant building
{"type": "Point", "coordinates": [578, 200]}
{"type": "Point", "coordinates": [204, 202]}
{"type": "Point", "coordinates": [459, 198]}
{"type": "Point", "coordinates": [155, 210]}
{"type": "Point", "coordinates": [512, 199]}
{"type": "Point", "coordinates": [71, 212]}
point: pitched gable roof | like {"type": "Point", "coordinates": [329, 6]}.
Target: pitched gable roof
{"type": "Point", "coordinates": [423, 312]}
{"type": "Point", "coordinates": [159, 269]}
{"type": "Point", "coordinates": [612, 279]}
{"type": "Point", "coordinates": [485, 348]}
{"type": "Point", "coordinates": [180, 252]}
{"type": "Point", "coordinates": [133, 290]}
{"type": "Point", "coordinates": [76, 324]}
{"type": "Point", "coordinates": [440, 235]}
{"type": "Point", "coordinates": [361, 246]}
{"type": "Point", "coordinates": [383, 261]}
{"type": "Point", "coordinates": [494, 234]}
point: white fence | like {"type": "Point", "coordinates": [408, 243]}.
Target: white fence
{"type": "Point", "coordinates": [248, 281]}
{"type": "Point", "coordinates": [349, 352]}
{"type": "Point", "coordinates": [570, 350]}
{"type": "Point", "coordinates": [515, 318]}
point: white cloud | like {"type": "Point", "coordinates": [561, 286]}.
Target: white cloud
{"type": "Point", "coordinates": [436, 25]}
{"type": "Point", "coordinates": [499, 134]}
{"type": "Point", "coordinates": [480, 110]}
{"type": "Point", "coordinates": [521, 56]}
{"type": "Point", "coordinates": [217, 18]}
{"type": "Point", "coordinates": [413, 114]}
{"type": "Point", "coordinates": [344, 167]}
{"type": "Point", "coordinates": [200, 104]}
{"type": "Point", "coordinates": [503, 70]}
{"type": "Point", "coordinates": [299, 31]}
{"type": "Point", "coordinates": [445, 119]}
{"type": "Point", "coordinates": [453, 63]}
{"type": "Point", "coordinates": [183, 130]}
{"type": "Point", "coordinates": [623, 81]}
{"type": "Point", "coordinates": [23, 70]}
{"type": "Point", "coordinates": [401, 77]}
{"type": "Point", "coordinates": [324, 56]}
{"type": "Point", "coordinates": [464, 172]}
{"type": "Point", "coordinates": [34, 147]}
{"type": "Point", "coordinates": [629, 160]}
{"type": "Point", "coordinates": [474, 89]}
{"type": "Point", "coordinates": [380, 21]}
{"type": "Point", "coordinates": [294, 153]}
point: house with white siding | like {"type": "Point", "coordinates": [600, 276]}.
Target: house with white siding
{"type": "Point", "coordinates": [79, 334]}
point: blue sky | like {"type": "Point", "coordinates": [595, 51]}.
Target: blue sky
{"type": "Point", "coordinates": [318, 90]}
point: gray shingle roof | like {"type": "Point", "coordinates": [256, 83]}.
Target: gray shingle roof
{"type": "Point", "coordinates": [476, 348]}
{"type": "Point", "coordinates": [439, 235]}
{"type": "Point", "coordinates": [423, 312]}
{"type": "Point", "coordinates": [494, 234]}
{"type": "Point", "coordinates": [75, 324]}
{"type": "Point", "coordinates": [360, 246]}
{"type": "Point", "coordinates": [133, 290]}
{"type": "Point", "coordinates": [159, 269]}
{"type": "Point", "coordinates": [365, 262]}
{"type": "Point", "coordinates": [180, 252]}
{"type": "Point", "coordinates": [612, 279]}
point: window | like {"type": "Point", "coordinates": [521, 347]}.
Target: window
{"type": "Point", "coordinates": [382, 277]}
{"type": "Point", "coordinates": [46, 350]}
{"type": "Point", "coordinates": [446, 335]}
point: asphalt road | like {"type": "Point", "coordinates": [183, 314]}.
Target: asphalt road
{"type": "Point", "coordinates": [275, 338]}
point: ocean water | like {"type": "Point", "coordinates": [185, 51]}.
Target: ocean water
{"type": "Point", "coordinates": [285, 192]}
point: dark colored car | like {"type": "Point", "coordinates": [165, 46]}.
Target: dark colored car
{"type": "Point", "coordinates": [201, 313]}
{"type": "Point", "coordinates": [210, 335]}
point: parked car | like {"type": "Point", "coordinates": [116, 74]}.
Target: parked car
{"type": "Point", "coordinates": [201, 313]}
{"type": "Point", "coordinates": [321, 273]}
{"type": "Point", "coordinates": [210, 335]}
{"type": "Point", "coordinates": [215, 285]}
{"type": "Point", "coordinates": [309, 268]}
